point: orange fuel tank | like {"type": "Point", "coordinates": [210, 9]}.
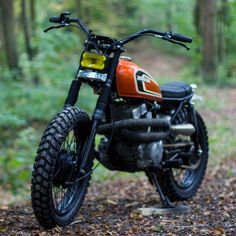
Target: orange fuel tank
{"type": "Point", "coordinates": [134, 82]}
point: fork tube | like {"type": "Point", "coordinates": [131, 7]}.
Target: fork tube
{"type": "Point", "coordinates": [73, 93]}
{"type": "Point", "coordinates": [99, 111]}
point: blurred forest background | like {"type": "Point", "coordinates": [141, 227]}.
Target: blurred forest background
{"type": "Point", "coordinates": [36, 68]}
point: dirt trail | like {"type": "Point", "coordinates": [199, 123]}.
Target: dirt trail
{"type": "Point", "coordinates": [158, 64]}
{"type": "Point", "coordinates": [111, 209]}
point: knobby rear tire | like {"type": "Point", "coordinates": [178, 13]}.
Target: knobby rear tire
{"type": "Point", "coordinates": [167, 180]}
{"type": "Point", "coordinates": [42, 184]}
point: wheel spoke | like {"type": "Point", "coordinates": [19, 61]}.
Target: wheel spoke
{"type": "Point", "coordinates": [65, 196]}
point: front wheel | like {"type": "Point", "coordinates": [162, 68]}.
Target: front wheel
{"type": "Point", "coordinates": [57, 190]}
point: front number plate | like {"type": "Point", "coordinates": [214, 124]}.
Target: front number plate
{"type": "Point", "coordinates": [92, 75]}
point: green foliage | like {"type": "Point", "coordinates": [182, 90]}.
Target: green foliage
{"type": "Point", "coordinates": [16, 160]}
{"type": "Point", "coordinates": [118, 15]}
{"type": "Point", "coordinates": [26, 110]}
{"type": "Point", "coordinates": [215, 108]}
{"type": "Point", "coordinates": [54, 63]}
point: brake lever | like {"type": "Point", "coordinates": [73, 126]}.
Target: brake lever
{"type": "Point", "coordinates": [54, 27]}
{"type": "Point", "coordinates": [175, 42]}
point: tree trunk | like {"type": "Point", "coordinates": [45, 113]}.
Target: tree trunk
{"type": "Point", "coordinates": [79, 8]}
{"type": "Point", "coordinates": [2, 56]}
{"type": "Point", "coordinates": [169, 13]}
{"type": "Point", "coordinates": [83, 10]}
{"type": "Point", "coordinates": [8, 27]}
{"type": "Point", "coordinates": [29, 32]}
{"type": "Point", "coordinates": [222, 15]}
{"type": "Point", "coordinates": [33, 23]}
{"type": "Point", "coordinates": [1, 33]}
{"type": "Point", "coordinates": [208, 32]}
{"type": "Point", "coordinates": [33, 15]}
{"type": "Point", "coordinates": [196, 17]}
{"type": "Point", "coordinates": [26, 30]}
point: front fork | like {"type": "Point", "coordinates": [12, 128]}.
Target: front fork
{"type": "Point", "coordinates": [100, 108]}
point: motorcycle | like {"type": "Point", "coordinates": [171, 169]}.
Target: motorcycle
{"type": "Point", "coordinates": [144, 127]}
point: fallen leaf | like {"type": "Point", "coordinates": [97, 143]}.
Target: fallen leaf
{"type": "Point", "coordinates": [111, 202]}
{"type": "Point", "coordinates": [218, 231]}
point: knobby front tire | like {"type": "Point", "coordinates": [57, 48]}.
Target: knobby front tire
{"type": "Point", "coordinates": [55, 190]}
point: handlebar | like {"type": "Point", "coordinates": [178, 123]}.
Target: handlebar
{"type": "Point", "coordinates": [58, 19]}
{"type": "Point", "coordinates": [168, 36]}
{"type": "Point", "coordinates": [54, 19]}
{"type": "Point", "coordinates": [64, 20]}
{"type": "Point", "coordinates": [181, 38]}
{"type": "Point", "coordinates": [163, 35]}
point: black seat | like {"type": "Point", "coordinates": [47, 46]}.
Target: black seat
{"type": "Point", "coordinates": [176, 90]}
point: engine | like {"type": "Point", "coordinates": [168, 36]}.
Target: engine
{"type": "Point", "coordinates": [145, 155]}
{"type": "Point", "coordinates": [126, 155]}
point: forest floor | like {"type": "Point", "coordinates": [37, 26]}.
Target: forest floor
{"type": "Point", "coordinates": [111, 208]}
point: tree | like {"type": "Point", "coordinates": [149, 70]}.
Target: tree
{"type": "Point", "coordinates": [1, 42]}
{"type": "Point", "coordinates": [79, 8]}
{"type": "Point", "coordinates": [9, 37]}
{"type": "Point", "coordinates": [209, 19]}
{"type": "Point", "coordinates": [207, 25]}
{"type": "Point", "coordinates": [29, 31]}
{"type": "Point", "coordinates": [222, 19]}
{"type": "Point", "coordinates": [33, 15]}
{"type": "Point", "coordinates": [26, 30]}
{"type": "Point", "coordinates": [169, 13]}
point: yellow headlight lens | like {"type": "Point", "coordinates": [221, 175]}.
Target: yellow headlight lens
{"type": "Point", "coordinates": [93, 61]}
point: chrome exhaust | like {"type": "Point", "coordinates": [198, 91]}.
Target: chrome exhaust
{"type": "Point", "coordinates": [184, 129]}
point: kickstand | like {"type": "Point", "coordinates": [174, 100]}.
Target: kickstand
{"type": "Point", "coordinates": [165, 200]}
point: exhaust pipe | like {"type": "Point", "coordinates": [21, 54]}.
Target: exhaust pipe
{"type": "Point", "coordinates": [184, 129]}
{"type": "Point", "coordinates": [143, 137]}
{"type": "Point", "coordinates": [134, 123]}
{"type": "Point", "coordinates": [146, 137]}
{"type": "Point", "coordinates": [123, 126]}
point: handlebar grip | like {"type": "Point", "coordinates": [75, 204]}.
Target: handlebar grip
{"type": "Point", "coordinates": [181, 38]}
{"type": "Point", "coordinates": [55, 19]}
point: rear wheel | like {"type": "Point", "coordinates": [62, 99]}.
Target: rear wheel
{"type": "Point", "coordinates": [181, 183]}
{"type": "Point", "coordinates": [57, 190]}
